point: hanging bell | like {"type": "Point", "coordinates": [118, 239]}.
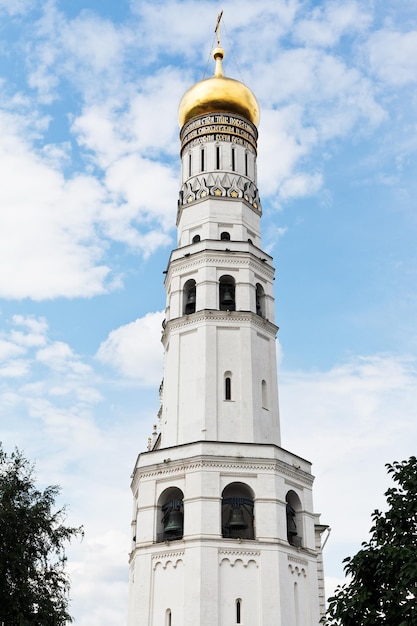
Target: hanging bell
{"type": "Point", "coordinates": [236, 520]}
{"type": "Point", "coordinates": [227, 297]}
{"type": "Point", "coordinates": [191, 299]}
{"type": "Point", "coordinates": [173, 522]}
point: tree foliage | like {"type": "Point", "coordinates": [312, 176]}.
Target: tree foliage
{"type": "Point", "coordinates": [383, 586]}
{"type": "Point", "coordinates": [33, 583]}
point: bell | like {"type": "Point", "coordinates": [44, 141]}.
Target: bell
{"type": "Point", "coordinates": [236, 520]}
{"type": "Point", "coordinates": [173, 522]}
{"type": "Point", "coordinates": [227, 297]}
{"type": "Point", "coordinates": [190, 306]}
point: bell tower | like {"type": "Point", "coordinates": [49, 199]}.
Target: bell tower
{"type": "Point", "coordinates": [223, 528]}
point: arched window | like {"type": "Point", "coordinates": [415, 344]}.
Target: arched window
{"type": "Point", "coordinates": [233, 159]}
{"type": "Point", "coordinates": [260, 300]}
{"type": "Point", "coordinates": [170, 515]}
{"type": "Point", "coordinates": [202, 156]}
{"type": "Point", "coordinates": [228, 386]}
{"type": "Point", "coordinates": [227, 293]}
{"type": "Point", "coordinates": [237, 512]}
{"type": "Point", "coordinates": [217, 157]}
{"type": "Point", "coordinates": [225, 236]}
{"type": "Point", "coordinates": [189, 297]}
{"type": "Point", "coordinates": [196, 238]}
{"type": "Point", "coordinates": [294, 521]}
{"type": "Point", "coordinates": [168, 618]}
{"type": "Point", "coordinates": [189, 164]}
{"type": "Point", "coordinates": [264, 395]}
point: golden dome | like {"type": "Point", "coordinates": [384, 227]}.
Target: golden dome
{"type": "Point", "coordinates": [218, 94]}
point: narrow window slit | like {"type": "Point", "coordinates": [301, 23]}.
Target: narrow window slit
{"type": "Point", "coordinates": [238, 610]}
{"type": "Point", "coordinates": [227, 388]}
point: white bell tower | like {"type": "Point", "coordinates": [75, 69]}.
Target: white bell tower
{"type": "Point", "coordinates": [223, 528]}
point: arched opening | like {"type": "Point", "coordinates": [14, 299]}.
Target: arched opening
{"type": "Point", "coordinates": [227, 293]}
{"type": "Point", "coordinates": [225, 236]}
{"type": "Point", "coordinates": [238, 512]}
{"type": "Point", "coordinates": [260, 300]}
{"type": "Point", "coordinates": [196, 238]}
{"type": "Point", "coordinates": [294, 521]}
{"type": "Point", "coordinates": [170, 515]}
{"type": "Point", "coordinates": [168, 618]}
{"type": "Point", "coordinates": [189, 297]}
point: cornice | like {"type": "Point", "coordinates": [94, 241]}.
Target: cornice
{"type": "Point", "coordinates": [237, 258]}
{"type": "Point", "coordinates": [176, 469]}
{"type": "Point", "coordinates": [223, 317]}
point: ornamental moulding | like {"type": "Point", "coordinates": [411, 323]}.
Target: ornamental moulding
{"type": "Point", "coordinates": [178, 266]}
{"type": "Point", "coordinates": [182, 467]}
{"type": "Point", "coordinates": [226, 317]}
{"type": "Point", "coordinates": [178, 554]}
{"type": "Point", "coordinates": [234, 552]}
{"type": "Point", "coordinates": [295, 559]}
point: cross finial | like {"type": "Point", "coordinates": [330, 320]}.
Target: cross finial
{"type": "Point", "coordinates": [217, 29]}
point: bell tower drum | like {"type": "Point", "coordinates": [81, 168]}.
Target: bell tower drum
{"type": "Point", "coordinates": [223, 525]}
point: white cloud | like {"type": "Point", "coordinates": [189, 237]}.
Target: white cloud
{"type": "Point", "coordinates": [392, 56]}
{"type": "Point", "coordinates": [56, 52]}
{"type": "Point", "coordinates": [58, 356]}
{"type": "Point", "coordinates": [327, 24]}
{"type": "Point", "coordinates": [47, 226]}
{"type": "Point", "coordinates": [9, 349]}
{"type": "Point", "coordinates": [102, 572]}
{"type": "Point", "coordinates": [329, 100]}
{"type": "Point", "coordinates": [134, 349]}
{"type": "Point", "coordinates": [36, 331]}
{"type": "Point", "coordinates": [300, 185]}
{"type": "Point", "coordinates": [349, 421]}
{"type": "Point", "coordinates": [15, 368]}
{"type": "Point", "coordinates": [16, 7]}
{"type": "Point", "coordinates": [284, 141]}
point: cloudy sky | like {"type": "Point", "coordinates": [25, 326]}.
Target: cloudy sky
{"type": "Point", "coordinates": [89, 180]}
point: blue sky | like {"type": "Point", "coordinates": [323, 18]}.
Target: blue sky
{"type": "Point", "coordinates": [89, 180]}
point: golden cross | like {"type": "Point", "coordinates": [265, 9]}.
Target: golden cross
{"type": "Point", "coordinates": [217, 29]}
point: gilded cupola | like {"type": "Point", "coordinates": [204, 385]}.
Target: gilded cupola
{"type": "Point", "coordinates": [218, 94]}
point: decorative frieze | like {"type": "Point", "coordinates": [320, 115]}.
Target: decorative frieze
{"type": "Point", "coordinates": [168, 557]}
{"type": "Point", "coordinates": [228, 185]}
{"type": "Point", "coordinates": [219, 127]}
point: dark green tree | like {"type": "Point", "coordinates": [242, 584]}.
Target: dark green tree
{"type": "Point", "coordinates": [383, 586]}
{"type": "Point", "coordinates": [34, 585]}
